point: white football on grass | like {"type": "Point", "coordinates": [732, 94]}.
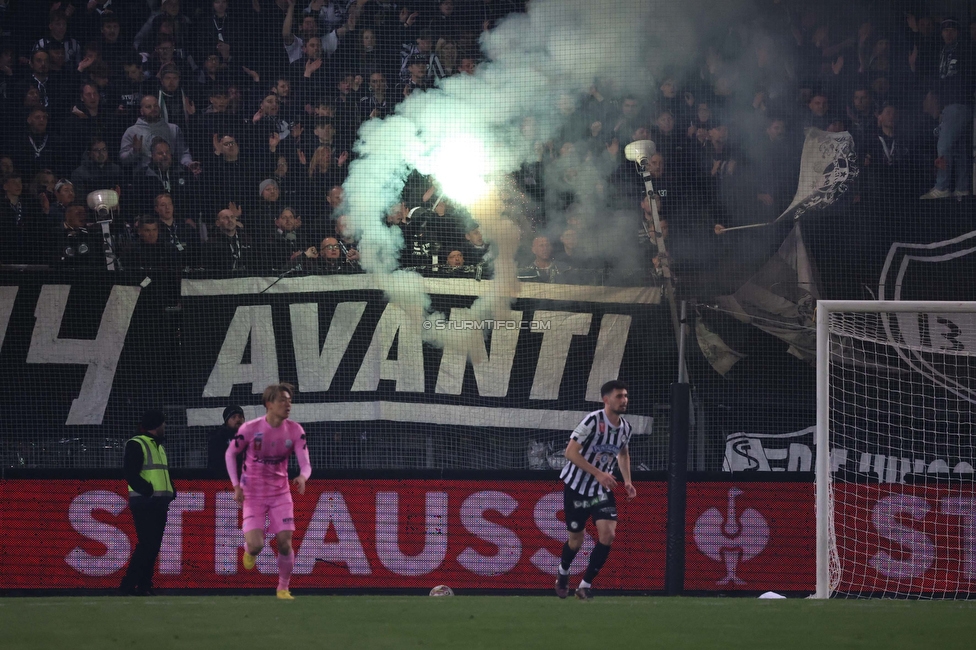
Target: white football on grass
{"type": "Point", "coordinates": [441, 590]}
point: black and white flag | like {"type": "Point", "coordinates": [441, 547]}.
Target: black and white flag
{"type": "Point", "coordinates": [781, 296]}
{"type": "Point", "coordinates": [827, 167]}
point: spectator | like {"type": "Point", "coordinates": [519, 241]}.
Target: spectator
{"type": "Point", "coordinates": [221, 28]}
{"type": "Point", "coordinates": [167, 54]}
{"type": "Point", "coordinates": [414, 77]}
{"type": "Point", "coordinates": [954, 175]}
{"type": "Point", "coordinates": [57, 38]}
{"type": "Point", "coordinates": [175, 106]}
{"type": "Point", "coordinates": [64, 195]}
{"type": "Point", "coordinates": [49, 91]}
{"type": "Point", "coordinates": [776, 168]}
{"type": "Point", "coordinates": [375, 103]}
{"type": "Point", "coordinates": [324, 172]}
{"type": "Point", "coordinates": [330, 260]}
{"type": "Point", "coordinates": [265, 213]}
{"type": "Point", "coordinates": [372, 56]}
{"type": "Point", "coordinates": [96, 172]}
{"type": "Point", "coordinates": [42, 184]}
{"type": "Point", "coordinates": [169, 10]}
{"type": "Point", "coordinates": [220, 437]}
{"type": "Point", "coordinates": [227, 248]}
{"type": "Point", "coordinates": [86, 122]}
{"type": "Point", "coordinates": [267, 129]}
{"type": "Point", "coordinates": [111, 48]}
{"type": "Point", "coordinates": [863, 116]}
{"type": "Point", "coordinates": [475, 250]}
{"type": "Point", "coordinates": [161, 175]}
{"type": "Point", "coordinates": [423, 50]}
{"type": "Point", "coordinates": [216, 121]}
{"type": "Point", "coordinates": [138, 139]}
{"type": "Point", "coordinates": [890, 162]}
{"type": "Point", "coordinates": [37, 148]}
{"type": "Point", "coordinates": [543, 268]}
{"type": "Point", "coordinates": [347, 244]}
{"type": "Point", "coordinates": [468, 64]}
{"type": "Point", "coordinates": [294, 45]}
{"type": "Point", "coordinates": [228, 176]}
{"type": "Point", "coordinates": [574, 265]}
{"type": "Point", "coordinates": [147, 252]}
{"type": "Point", "coordinates": [446, 23]}
{"type": "Point", "coordinates": [23, 233]}
{"type": "Point", "coordinates": [309, 72]}
{"type": "Point", "coordinates": [289, 106]}
{"type": "Point", "coordinates": [818, 112]}
{"type": "Point", "coordinates": [76, 246]}
{"type": "Point", "coordinates": [288, 244]}
{"type": "Point", "coordinates": [177, 234]}
{"type": "Point", "coordinates": [455, 259]}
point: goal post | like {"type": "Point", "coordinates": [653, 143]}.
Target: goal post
{"type": "Point", "coordinates": [895, 446]}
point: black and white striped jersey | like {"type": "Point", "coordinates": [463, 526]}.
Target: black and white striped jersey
{"type": "Point", "coordinates": [601, 443]}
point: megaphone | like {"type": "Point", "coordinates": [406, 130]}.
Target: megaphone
{"type": "Point", "coordinates": [639, 151]}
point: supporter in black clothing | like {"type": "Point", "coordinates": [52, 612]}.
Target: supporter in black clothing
{"type": "Point", "coordinates": [220, 437]}
{"type": "Point", "coordinates": [23, 233]}
{"type": "Point", "coordinates": [38, 148]}
{"type": "Point", "coordinates": [147, 251]}
{"type": "Point", "coordinates": [228, 247]}
{"type": "Point", "coordinates": [75, 245]}
{"type": "Point", "coordinates": [96, 172]}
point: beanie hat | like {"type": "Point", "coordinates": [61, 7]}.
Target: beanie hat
{"type": "Point", "coordinates": [265, 183]}
{"type": "Point", "coordinates": [152, 419]}
{"type": "Point", "coordinates": [232, 410]}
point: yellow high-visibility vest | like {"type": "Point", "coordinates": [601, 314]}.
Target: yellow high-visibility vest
{"type": "Point", "coordinates": [155, 467]}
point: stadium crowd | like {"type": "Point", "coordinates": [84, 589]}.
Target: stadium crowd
{"type": "Point", "coordinates": [227, 128]}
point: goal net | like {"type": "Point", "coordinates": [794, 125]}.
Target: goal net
{"type": "Point", "coordinates": [896, 511]}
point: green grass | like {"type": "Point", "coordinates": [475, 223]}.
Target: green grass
{"type": "Point", "coordinates": [469, 622]}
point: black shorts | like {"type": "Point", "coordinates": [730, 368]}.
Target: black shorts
{"type": "Point", "coordinates": [579, 508]}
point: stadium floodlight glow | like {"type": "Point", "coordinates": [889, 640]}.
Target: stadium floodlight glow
{"type": "Point", "coordinates": [639, 151]}
{"type": "Point", "coordinates": [460, 166]}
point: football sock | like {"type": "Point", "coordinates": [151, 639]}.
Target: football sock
{"type": "Point", "coordinates": [568, 555]}
{"type": "Point", "coordinates": [597, 558]}
{"type": "Point", "coordinates": [584, 584]}
{"type": "Point", "coordinates": [285, 565]}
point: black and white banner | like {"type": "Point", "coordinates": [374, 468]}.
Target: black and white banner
{"type": "Point", "coordinates": [86, 355]}
{"type": "Point", "coordinates": [795, 451]}
{"type": "Point", "coordinates": [356, 356]}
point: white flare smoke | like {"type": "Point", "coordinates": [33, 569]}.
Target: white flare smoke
{"type": "Point", "coordinates": [472, 130]}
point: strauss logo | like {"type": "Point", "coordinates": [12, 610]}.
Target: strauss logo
{"type": "Point", "coordinates": [732, 539]}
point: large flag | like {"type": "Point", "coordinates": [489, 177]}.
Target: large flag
{"type": "Point", "coordinates": [827, 167]}
{"type": "Point", "coordinates": [780, 298]}
{"type": "Point", "coordinates": [717, 352]}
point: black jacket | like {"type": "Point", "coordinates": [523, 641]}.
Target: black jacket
{"type": "Point", "coordinates": [217, 443]}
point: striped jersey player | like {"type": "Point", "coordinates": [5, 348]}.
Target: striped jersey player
{"type": "Point", "coordinates": [262, 488]}
{"type": "Point", "coordinates": [597, 444]}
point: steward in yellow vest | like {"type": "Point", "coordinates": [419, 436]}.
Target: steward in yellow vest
{"type": "Point", "coordinates": [146, 470]}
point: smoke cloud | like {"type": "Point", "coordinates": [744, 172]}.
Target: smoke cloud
{"type": "Point", "coordinates": [470, 132]}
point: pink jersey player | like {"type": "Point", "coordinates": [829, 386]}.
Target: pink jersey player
{"type": "Point", "coordinates": [266, 451]}
{"type": "Point", "coordinates": [267, 443]}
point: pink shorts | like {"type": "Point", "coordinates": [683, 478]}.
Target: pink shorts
{"type": "Point", "coordinates": [277, 512]}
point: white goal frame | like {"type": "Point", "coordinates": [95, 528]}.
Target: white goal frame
{"type": "Point", "coordinates": [826, 548]}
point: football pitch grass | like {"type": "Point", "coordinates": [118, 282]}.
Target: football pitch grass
{"type": "Point", "coordinates": [470, 622]}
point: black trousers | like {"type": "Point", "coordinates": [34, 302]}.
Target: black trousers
{"type": "Point", "coordinates": [149, 516]}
